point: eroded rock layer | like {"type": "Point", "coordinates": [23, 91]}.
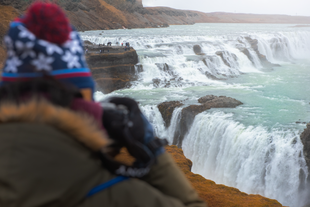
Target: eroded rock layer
{"type": "Point", "coordinates": [188, 113]}
{"type": "Point", "coordinates": [305, 138]}
{"type": "Point", "coordinates": [112, 70]}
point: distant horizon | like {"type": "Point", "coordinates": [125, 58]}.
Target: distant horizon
{"type": "Point", "coordinates": [225, 12]}
{"type": "Point", "coordinates": [264, 7]}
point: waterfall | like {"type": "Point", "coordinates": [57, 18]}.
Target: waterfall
{"type": "Point", "coordinates": [258, 159]}
{"type": "Point", "coordinates": [153, 115]}
{"type": "Point", "coordinates": [173, 124]}
{"type": "Point", "coordinates": [252, 159]}
{"type": "Point", "coordinates": [222, 57]}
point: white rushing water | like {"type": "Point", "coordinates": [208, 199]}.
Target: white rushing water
{"type": "Point", "coordinates": [249, 158]}
{"type": "Point", "coordinates": [255, 147]}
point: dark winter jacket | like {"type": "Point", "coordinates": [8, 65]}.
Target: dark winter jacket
{"type": "Point", "coordinates": [47, 159]}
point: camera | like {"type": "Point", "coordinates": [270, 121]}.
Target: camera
{"type": "Point", "coordinates": [127, 127]}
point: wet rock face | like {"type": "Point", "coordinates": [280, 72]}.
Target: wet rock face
{"type": "Point", "coordinates": [166, 82]}
{"type": "Point", "coordinates": [224, 56]}
{"type": "Point", "coordinates": [254, 45]}
{"type": "Point", "coordinates": [206, 98]}
{"type": "Point", "coordinates": [188, 113]}
{"type": "Point", "coordinates": [87, 43]}
{"type": "Point", "coordinates": [305, 138]}
{"type": "Point", "coordinates": [114, 70]}
{"type": "Point", "coordinates": [197, 49]}
{"type": "Point", "coordinates": [166, 109]}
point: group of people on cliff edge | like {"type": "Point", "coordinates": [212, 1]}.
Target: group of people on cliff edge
{"type": "Point", "coordinates": [57, 146]}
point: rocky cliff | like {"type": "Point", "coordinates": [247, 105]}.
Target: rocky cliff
{"type": "Point", "coordinates": [188, 113]}
{"type": "Point", "coordinates": [215, 195]}
{"type": "Point", "coordinates": [112, 14]}
{"type": "Point", "coordinates": [7, 14]}
{"type": "Point", "coordinates": [115, 14]}
{"type": "Point", "coordinates": [305, 138]}
{"type": "Point", "coordinates": [113, 68]}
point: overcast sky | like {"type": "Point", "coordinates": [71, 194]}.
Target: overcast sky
{"type": "Point", "coordinates": [290, 7]}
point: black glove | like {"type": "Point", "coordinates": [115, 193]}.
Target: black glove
{"type": "Point", "coordinates": [126, 124]}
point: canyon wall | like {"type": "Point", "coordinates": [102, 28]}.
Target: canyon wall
{"type": "Point", "coordinates": [112, 69]}
{"type": "Point", "coordinates": [116, 14]}
{"type": "Point", "coordinates": [188, 113]}
{"type": "Point", "coordinates": [7, 13]}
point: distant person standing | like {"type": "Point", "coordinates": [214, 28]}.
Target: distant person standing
{"type": "Point", "coordinates": [128, 45]}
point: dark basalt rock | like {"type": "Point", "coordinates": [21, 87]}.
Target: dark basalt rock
{"type": "Point", "coordinates": [165, 67]}
{"type": "Point", "coordinates": [214, 74]}
{"type": "Point", "coordinates": [305, 139]}
{"type": "Point", "coordinates": [222, 54]}
{"type": "Point", "coordinates": [88, 43]}
{"type": "Point", "coordinates": [166, 109]}
{"type": "Point", "coordinates": [114, 70]}
{"type": "Point", "coordinates": [206, 98]}
{"type": "Point", "coordinates": [156, 82]}
{"type": "Point", "coordinates": [188, 113]}
{"type": "Point", "coordinates": [254, 45]}
{"type": "Point", "coordinates": [197, 50]}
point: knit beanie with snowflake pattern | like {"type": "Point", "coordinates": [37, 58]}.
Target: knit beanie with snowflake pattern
{"type": "Point", "coordinates": [44, 43]}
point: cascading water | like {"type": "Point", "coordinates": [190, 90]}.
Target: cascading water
{"type": "Point", "coordinates": [221, 57]}
{"type": "Point", "coordinates": [173, 124]}
{"type": "Point", "coordinates": [252, 159]}
{"type": "Point", "coordinates": [255, 147]}
{"type": "Point", "coordinates": [152, 113]}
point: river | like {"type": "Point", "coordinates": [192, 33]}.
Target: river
{"type": "Point", "coordinates": [255, 147]}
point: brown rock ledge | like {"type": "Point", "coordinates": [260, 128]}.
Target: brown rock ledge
{"type": "Point", "coordinates": [188, 113]}
{"type": "Point", "coordinates": [114, 70]}
{"type": "Point", "coordinates": [305, 139]}
{"type": "Point", "coordinates": [166, 109]}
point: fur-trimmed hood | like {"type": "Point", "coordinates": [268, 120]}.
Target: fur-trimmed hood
{"type": "Point", "coordinates": [42, 160]}
{"type": "Point", "coordinates": [77, 125]}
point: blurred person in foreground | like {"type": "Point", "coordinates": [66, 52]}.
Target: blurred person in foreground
{"type": "Point", "coordinates": [57, 145]}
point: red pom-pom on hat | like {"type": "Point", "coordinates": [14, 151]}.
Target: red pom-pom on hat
{"type": "Point", "coordinates": [47, 21]}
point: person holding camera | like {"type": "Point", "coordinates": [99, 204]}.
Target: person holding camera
{"type": "Point", "coordinates": [57, 146]}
